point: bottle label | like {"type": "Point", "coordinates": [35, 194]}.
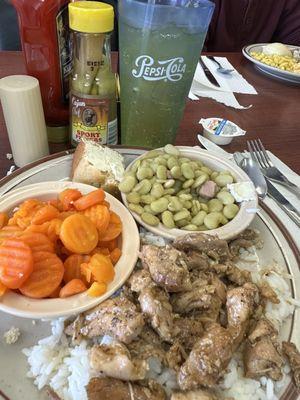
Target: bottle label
{"type": "Point", "coordinates": [65, 50]}
{"type": "Point", "coordinates": [89, 119]}
{"type": "Point", "coordinates": [163, 70]}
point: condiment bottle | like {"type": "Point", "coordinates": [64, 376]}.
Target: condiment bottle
{"type": "Point", "coordinates": [93, 107]}
{"type": "Point", "coordinates": [24, 117]}
{"type": "Point", "coordinates": [46, 45]}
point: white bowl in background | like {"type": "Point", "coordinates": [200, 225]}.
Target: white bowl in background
{"type": "Point", "coordinates": [22, 306]}
{"type": "Point", "coordinates": [237, 225]}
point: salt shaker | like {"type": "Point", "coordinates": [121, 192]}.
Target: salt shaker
{"type": "Point", "coordinates": [24, 117]}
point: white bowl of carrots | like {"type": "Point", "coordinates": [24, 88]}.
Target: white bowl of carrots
{"type": "Point", "coordinates": [64, 248]}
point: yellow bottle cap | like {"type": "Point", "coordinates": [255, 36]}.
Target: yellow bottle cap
{"type": "Point", "coordinates": [91, 17]}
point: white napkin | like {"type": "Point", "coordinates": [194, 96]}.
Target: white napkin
{"type": "Point", "coordinates": [295, 178]}
{"type": "Point", "coordinates": [202, 87]}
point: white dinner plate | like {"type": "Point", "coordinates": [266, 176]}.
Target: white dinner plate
{"type": "Point", "coordinates": [278, 246]}
{"type": "Point", "coordinates": [274, 72]}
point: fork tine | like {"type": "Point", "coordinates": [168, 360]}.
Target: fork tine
{"type": "Point", "coordinates": [266, 156]}
{"type": "Point", "coordinates": [259, 154]}
{"type": "Point", "coordinates": [251, 151]}
{"type": "Point", "coordinates": [255, 153]}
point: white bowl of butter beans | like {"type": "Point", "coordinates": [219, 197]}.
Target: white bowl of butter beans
{"type": "Point", "coordinates": [175, 190]}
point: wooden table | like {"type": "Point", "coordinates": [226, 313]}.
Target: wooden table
{"type": "Point", "coordinates": [274, 116]}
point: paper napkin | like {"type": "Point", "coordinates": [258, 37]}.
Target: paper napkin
{"type": "Point", "coordinates": [202, 87]}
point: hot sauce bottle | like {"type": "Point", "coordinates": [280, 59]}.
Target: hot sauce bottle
{"type": "Point", "coordinates": [45, 39]}
{"type": "Point", "coordinates": [93, 106]}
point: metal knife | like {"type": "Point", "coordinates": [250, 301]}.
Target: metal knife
{"type": "Point", "coordinates": [209, 145]}
{"type": "Point", "coordinates": [283, 203]}
{"type": "Point", "coordinates": [208, 74]}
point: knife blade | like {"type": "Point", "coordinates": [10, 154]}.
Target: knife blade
{"type": "Point", "coordinates": [283, 203]}
{"type": "Point", "coordinates": [209, 145]}
{"type": "Point", "coordinates": [208, 74]}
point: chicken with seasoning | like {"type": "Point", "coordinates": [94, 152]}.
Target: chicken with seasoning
{"type": "Point", "coordinates": [187, 308]}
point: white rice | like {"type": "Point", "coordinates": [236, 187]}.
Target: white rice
{"type": "Point", "coordinates": [56, 363]}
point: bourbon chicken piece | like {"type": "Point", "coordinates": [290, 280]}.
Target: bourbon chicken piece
{"type": "Point", "coordinates": [148, 344]}
{"type": "Point", "coordinates": [155, 305]}
{"type": "Point", "coordinates": [232, 273]}
{"type": "Point", "coordinates": [262, 354]}
{"type": "Point", "coordinates": [208, 359]}
{"type": "Point", "coordinates": [199, 297]}
{"type": "Point", "coordinates": [140, 279]}
{"type": "Point", "coordinates": [293, 355]}
{"type": "Point", "coordinates": [115, 389]}
{"type": "Point", "coordinates": [240, 306]}
{"type": "Point", "coordinates": [209, 245]}
{"type": "Point", "coordinates": [117, 317]}
{"type": "Point", "coordinates": [189, 331]}
{"type": "Point", "coordinates": [114, 360]}
{"type": "Point", "coordinates": [167, 267]}
{"type": "Point", "coordinates": [268, 293]}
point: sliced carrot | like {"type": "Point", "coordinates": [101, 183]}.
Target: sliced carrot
{"type": "Point", "coordinates": [115, 255]}
{"type": "Point", "coordinates": [97, 289]}
{"type": "Point", "coordinates": [37, 241]}
{"type": "Point", "coordinates": [75, 286]}
{"type": "Point", "coordinates": [101, 268]}
{"type": "Point", "coordinates": [56, 203]}
{"type": "Point", "coordinates": [78, 234]}
{"type": "Point", "coordinates": [90, 199]}
{"type": "Point", "coordinates": [67, 198]}
{"type": "Point", "coordinates": [45, 214]}
{"type": "Point", "coordinates": [55, 293]}
{"type": "Point", "coordinates": [3, 219]}
{"type": "Point", "coordinates": [65, 214]}
{"type": "Point", "coordinates": [3, 289]}
{"type": "Point", "coordinates": [99, 215]}
{"type": "Point", "coordinates": [110, 244]}
{"type": "Point", "coordinates": [16, 263]}
{"type": "Point", "coordinates": [48, 271]}
{"type": "Point", "coordinates": [72, 267]}
{"type": "Point", "coordinates": [113, 230]}
{"type": "Point", "coordinates": [101, 250]}
{"type": "Point", "coordinates": [10, 231]}
{"type": "Point", "coordinates": [49, 228]}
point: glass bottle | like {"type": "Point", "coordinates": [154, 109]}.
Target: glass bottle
{"type": "Point", "coordinates": [93, 107]}
{"type": "Point", "coordinates": [45, 42]}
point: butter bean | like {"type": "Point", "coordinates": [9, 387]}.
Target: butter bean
{"type": "Point", "coordinates": [190, 227]}
{"type": "Point", "coordinates": [161, 172]}
{"type": "Point", "coordinates": [174, 204]}
{"type": "Point", "coordinates": [199, 218]}
{"type": "Point", "coordinates": [200, 180]}
{"type": "Point", "coordinates": [223, 180]}
{"type": "Point", "coordinates": [167, 219]}
{"type": "Point", "coordinates": [212, 220]}
{"type": "Point", "coordinates": [181, 215]}
{"type": "Point", "coordinates": [135, 208]}
{"type": "Point", "coordinates": [172, 162]}
{"type": "Point", "coordinates": [215, 205]}
{"type": "Point", "coordinates": [150, 219]}
{"type": "Point", "coordinates": [225, 197]}
{"type": "Point", "coordinates": [143, 187]}
{"type": "Point", "coordinates": [176, 172]}
{"type": "Point", "coordinates": [147, 199]}
{"type": "Point", "coordinates": [133, 197]}
{"type": "Point", "coordinates": [187, 171]}
{"type": "Point", "coordinates": [172, 150]}
{"type": "Point", "coordinates": [159, 205]}
{"type": "Point", "coordinates": [157, 190]}
{"type": "Point", "coordinates": [127, 184]}
{"type": "Point", "coordinates": [187, 184]}
{"type": "Point", "coordinates": [230, 211]}
{"type": "Point", "coordinates": [144, 172]}
{"type": "Point", "coordinates": [170, 183]}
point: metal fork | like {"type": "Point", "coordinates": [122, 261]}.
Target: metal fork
{"type": "Point", "coordinates": [268, 168]}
